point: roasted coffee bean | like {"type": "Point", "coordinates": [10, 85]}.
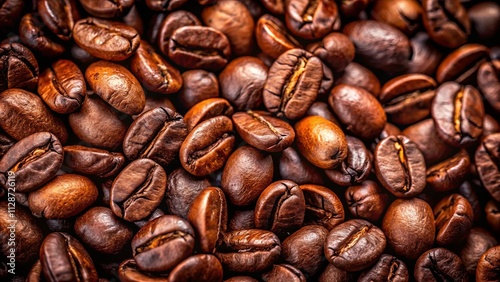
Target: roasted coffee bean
{"type": "Point", "coordinates": [322, 109]}
{"type": "Point", "coordinates": [93, 161]}
{"type": "Point", "coordinates": [297, 76]}
{"type": "Point", "coordinates": [107, 40]}
{"type": "Point", "coordinates": [387, 268]}
{"type": "Point", "coordinates": [156, 134]}
{"type": "Point", "coordinates": [117, 86]}
{"type": "Point", "coordinates": [275, 6]}
{"type": "Point", "coordinates": [454, 218]}
{"type": "Point", "coordinates": [407, 99]}
{"type": "Point", "coordinates": [336, 50]}
{"type": "Point", "coordinates": [488, 265]}
{"type": "Point", "coordinates": [293, 167]}
{"type": "Point", "coordinates": [59, 16]}
{"type": "Point", "coordinates": [128, 271]}
{"type": "Point", "coordinates": [425, 57]}
{"type": "Point", "coordinates": [246, 174]}
{"type": "Point", "coordinates": [110, 130]}
{"type": "Point", "coordinates": [462, 64]}
{"type": "Point", "coordinates": [6, 143]}
{"type": "Point", "coordinates": [160, 5]}
{"type": "Point", "coordinates": [20, 67]}
{"type": "Point", "coordinates": [10, 12]}
{"type": "Point", "coordinates": [280, 208]}
{"type": "Point", "coordinates": [62, 87]}
{"type": "Point", "coordinates": [31, 162]}
{"type": "Point", "coordinates": [264, 131]}
{"type": "Point", "coordinates": [63, 197]}
{"type": "Point", "coordinates": [409, 227]}
{"type": "Point", "coordinates": [403, 14]}
{"type": "Point", "coordinates": [108, 9]}
{"type": "Point", "coordinates": [272, 36]}
{"type": "Point", "coordinates": [200, 267]}
{"type": "Point", "coordinates": [332, 273]}
{"type": "Point", "coordinates": [103, 231]}
{"type": "Point", "coordinates": [487, 161]}
{"type": "Point", "coordinates": [468, 191]}
{"type": "Point", "coordinates": [172, 22]}
{"type": "Point", "coordinates": [367, 201]}
{"type": "Point", "coordinates": [304, 249]}
{"type": "Point", "coordinates": [311, 19]}
{"type": "Point", "coordinates": [485, 20]}
{"type": "Point", "coordinates": [354, 245]}
{"type": "Point", "coordinates": [488, 80]}
{"type": "Point", "coordinates": [34, 34]}
{"type": "Point", "coordinates": [446, 22]}
{"type": "Point", "coordinates": [208, 216]}
{"type": "Point", "coordinates": [207, 109]}
{"type": "Point", "coordinates": [154, 72]}
{"type": "Point", "coordinates": [358, 110]}
{"type": "Point", "coordinates": [323, 207]}
{"type": "Point", "coordinates": [138, 190]}
{"type": "Point", "coordinates": [355, 168]}
{"type": "Point", "coordinates": [186, 50]}
{"type": "Point", "coordinates": [155, 101]}
{"type": "Point", "coordinates": [22, 113]}
{"type": "Point", "coordinates": [449, 174]}
{"type": "Point", "coordinates": [81, 56]}
{"type": "Point", "coordinates": [440, 264]}
{"type": "Point", "coordinates": [379, 45]}
{"type": "Point", "coordinates": [163, 243]}
{"type": "Point", "coordinates": [492, 210]}
{"type": "Point", "coordinates": [250, 250]}
{"type": "Point", "coordinates": [476, 244]}
{"type": "Point", "coordinates": [242, 82]}
{"type": "Point", "coordinates": [280, 272]}
{"type": "Point", "coordinates": [208, 146]}
{"type": "Point", "coordinates": [198, 85]}
{"type": "Point", "coordinates": [400, 166]}
{"type": "Point", "coordinates": [63, 258]}
{"type": "Point", "coordinates": [241, 219]}
{"type": "Point", "coordinates": [357, 75]}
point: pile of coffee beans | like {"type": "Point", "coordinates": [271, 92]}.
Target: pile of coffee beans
{"type": "Point", "coordinates": [249, 140]}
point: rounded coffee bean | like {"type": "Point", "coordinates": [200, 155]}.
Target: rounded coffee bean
{"type": "Point", "coordinates": [354, 245]}
{"type": "Point", "coordinates": [487, 159]}
{"type": "Point", "coordinates": [109, 9]}
{"type": "Point", "coordinates": [323, 110]}
{"type": "Point", "coordinates": [387, 268]}
{"type": "Point", "coordinates": [6, 143]}
{"type": "Point", "coordinates": [400, 166]}
{"type": "Point", "coordinates": [488, 80]}
{"type": "Point", "coordinates": [409, 227]}
{"type": "Point", "coordinates": [107, 40]}
{"type": "Point", "coordinates": [332, 273]}
{"type": "Point", "coordinates": [138, 190]}
{"type": "Point", "coordinates": [311, 19]}
{"type": "Point", "coordinates": [241, 219]}
{"type": "Point", "coordinates": [367, 200]}
{"type": "Point", "coordinates": [208, 146]}
{"type": "Point", "coordinates": [450, 173]}
{"type": "Point", "coordinates": [35, 35]}
{"type": "Point", "coordinates": [10, 11]}
{"type": "Point", "coordinates": [272, 36]}
{"type": "Point", "coordinates": [462, 64]}
{"type": "Point", "coordinates": [403, 14]}
{"type": "Point", "coordinates": [492, 210]}
{"type": "Point", "coordinates": [275, 6]}
{"type": "Point", "coordinates": [488, 265]}
{"type": "Point", "coordinates": [63, 197]}
{"type": "Point", "coordinates": [207, 109]}
{"type": "Point", "coordinates": [172, 22]}
{"type": "Point", "coordinates": [476, 244]}
{"type": "Point", "coordinates": [323, 206]}
{"type": "Point", "coordinates": [295, 168]}
{"type": "Point", "coordinates": [454, 217]}
{"type": "Point", "coordinates": [59, 16]}
{"type": "Point", "coordinates": [31, 162]}
{"type": "Point", "coordinates": [197, 268]}
{"type": "Point", "coordinates": [20, 67]}
{"type": "Point", "coordinates": [163, 243]}
{"type": "Point", "coordinates": [280, 272]}
{"type": "Point", "coordinates": [198, 85]}
{"type": "Point", "coordinates": [336, 50]}
{"type": "Point", "coordinates": [357, 75]}
{"type": "Point", "coordinates": [321, 142]}
{"type": "Point", "coordinates": [92, 161]}
{"type": "Point", "coordinates": [129, 272]}
{"type": "Point", "coordinates": [485, 20]}
{"type": "Point", "coordinates": [439, 264]}
{"type": "Point", "coordinates": [426, 55]}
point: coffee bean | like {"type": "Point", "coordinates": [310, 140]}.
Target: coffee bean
{"type": "Point", "coordinates": [426, 56]}
{"type": "Point", "coordinates": [107, 9]}
{"type": "Point", "coordinates": [405, 15]}
{"type": "Point", "coordinates": [367, 201]}
{"type": "Point", "coordinates": [386, 268]}
{"type": "Point", "coordinates": [198, 86]}
{"type": "Point", "coordinates": [335, 49]}
{"type": "Point", "coordinates": [35, 35]}
{"type": "Point", "coordinates": [454, 217]}
{"type": "Point", "coordinates": [357, 75]}
{"type": "Point", "coordinates": [462, 64]}
{"type": "Point", "coordinates": [475, 245]}
{"type": "Point", "coordinates": [293, 167]}
{"type": "Point", "coordinates": [323, 206]}
{"type": "Point", "coordinates": [172, 22]}
{"type": "Point", "coordinates": [450, 173]}
{"type": "Point", "coordinates": [10, 12]}
{"type": "Point", "coordinates": [311, 19]}
{"type": "Point", "coordinates": [159, 5]}
{"type": "Point", "coordinates": [207, 109]}
{"type": "Point", "coordinates": [487, 159]}
{"type": "Point", "coordinates": [274, 6]}
{"type": "Point", "coordinates": [20, 67]}
{"type": "Point", "coordinates": [438, 264]}
{"type": "Point", "coordinates": [488, 80]}
{"type": "Point", "coordinates": [59, 16]}
{"type": "Point", "coordinates": [272, 36]}
{"type": "Point", "coordinates": [92, 161]}
{"type": "Point", "coordinates": [281, 272]}
{"type": "Point", "coordinates": [332, 273]}
{"type": "Point", "coordinates": [487, 266]}
{"type": "Point", "coordinates": [197, 268]}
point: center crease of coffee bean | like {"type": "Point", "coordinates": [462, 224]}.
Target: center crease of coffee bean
{"type": "Point", "coordinates": [202, 152]}
{"type": "Point", "coordinates": [160, 240]}
{"type": "Point", "coordinates": [309, 12]}
{"type": "Point", "coordinates": [352, 241]}
{"type": "Point", "coordinates": [198, 51]}
{"type": "Point", "coordinates": [403, 160]}
{"type": "Point", "coordinates": [140, 191]}
{"type": "Point", "coordinates": [291, 84]}
{"type": "Point", "coordinates": [457, 111]}
{"type": "Point", "coordinates": [393, 269]}
{"type": "Point", "coordinates": [262, 120]}
{"type": "Point", "coordinates": [33, 155]}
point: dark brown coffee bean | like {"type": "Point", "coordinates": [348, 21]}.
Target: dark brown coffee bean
{"type": "Point", "coordinates": [332, 273]}
{"type": "Point", "coordinates": [402, 14]}
{"type": "Point", "coordinates": [208, 216]}
{"type": "Point", "coordinates": [92, 161]}
{"type": "Point", "coordinates": [458, 114]}
{"type": "Point", "coordinates": [488, 265]}
{"type": "Point", "coordinates": [488, 80]}
{"type": "Point", "coordinates": [103, 231]}
{"type": "Point", "coordinates": [335, 49]}
{"type": "Point", "coordinates": [280, 208]}
{"type": "Point", "coordinates": [155, 214]}
{"type": "Point", "coordinates": [202, 268]}
{"type": "Point", "coordinates": [186, 50]}
{"type": "Point", "coordinates": [293, 167]}
{"type": "Point", "coordinates": [323, 110]}
{"type": "Point", "coordinates": [492, 210]}
{"type": "Point", "coordinates": [440, 265]}
{"type": "Point", "coordinates": [407, 99]}
{"type": "Point", "coordinates": [355, 168]}
{"type": "Point", "coordinates": [321, 142]}
{"type": "Point", "coordinates": [323, 207]}
{"type": "Point", "coordinates": [311, 19]}
{"type": "Point", "coordinates": [354, 245]}
{"type": "Point", "coordinates": [449, 174]}
{"type": "Point", "coordinates": [272, 37]}
{"type": "Point", "coordinates": [425, 57]}
{"type": "Point", "coordinates": [446, 22]}
{"type": "Point", "coordinates": [155, 101]}
{"type": "Point", "coordinates": [400, 166]}
{"type": "Point", "coordinates": [107, 9]}
{"type": "Point", "coordinates": [81, 56]}
{"type": "Point", "coordinates": [20, 67]}
{"type": "Point", "coordinates": [250, 250]}
{"type": "Point", "coordinates": [358, 110]}
{"type": "Point", "coordinates": [63, 197]}
{"type": "Point", "coordinates": [242, 82]}
{"type": "Point", "coordinates": [107, 40]}
{"type": "Point", "coordinates": [110, 130]}
{"type": "Point", "coordinates": [128, 271]}
{"type": "Point", "coordinates": [163, 243]}
{"type": "Point", "coordinates": [241, 219]}
{"type": "Point", "coordinates": [389, 129]}
{"type": "Point", "coordinates": [274, 6]}
{"type": "Point", "coordinates": [409, 227]}
{"type": "Point", "coordinates": [207, 109]}
{"type": "Point", "coordinates": [296, 81]}
{"type": "Point", "coordinates": [59, 16]}
{"type": "Point", "coordinates": [154, 72]}
{"type": "Point", "coordinates": [208, 146]}
{"type": "Point", "coordinates": [357, 75]}
{"type": "Point", "coordinates": [280, 272]}
{"type": "Point", "coordinates": [468, 191]}
{"type": "Point", "coordinates": [387, 268]}
{"type": "Point", "coordinates": [172, 22]}
{"type": "Point", "coordinates": [379, 45]}
{"type": "Point", "coordinates": [22, 113]}
{"type": "Point", "coordinates": [246, 174]}
{"type": "Point", "coordinates": [117, 86]}
{"type": "Point", "coordinates": [34, 34]}
{"type": "Point", "coordinates": [264, 131]}
{"type": "Point", "coordinates": [157, 135]}
{"type": "Point", "coordinates": [161, 5]}
{"type": "Point", "coordinates": [198, 86]}
{"type": "Point", "coordinates": [138, 190]}
{"type": "Point", "coordinates": [6, 142]}
{"type": "Point", "coordinates": [484, 18]}
{"type": "Point", "coordinates": [10, 12]}
{"type": "Point", "coordinates": [454, 217]}
{"type": "Point", "coordinates": [304, 249]}
{"type": "Point", "coordinates": [462, 64]}
{"type": "Point", "coordinates": [367, 201]}
{"type": "Point", "coordinates": [476, 244]}
{"type": "Point", "coordinates": [31, 162]}
{"type": "Point", "coordinates": [487, 159]}
{"type": "Point", "coordinates": [63, 258]}
{"type": "Point", "coordinates": [62, 87]}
